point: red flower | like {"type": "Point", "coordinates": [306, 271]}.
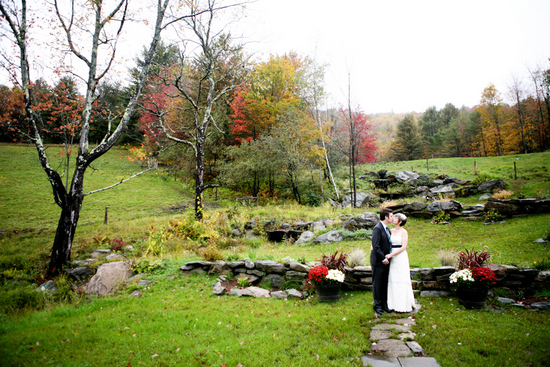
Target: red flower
{"type": "Point", "coordinates": [484, 275]}
{"type": "Point", "coordinates": [318, 274]}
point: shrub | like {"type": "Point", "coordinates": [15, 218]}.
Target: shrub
{"type": "Point", "coordinates": [492, 216]}
{"type": "Point", "coordinates": [156, 243]}
{"type": "Point", "coordinates": [118, 244]}
{"type": "Point", "coordinates": [313, 199]}
{"type": "Point", "coordinates": [145, 266]}
{"type": "Point", "coordinates": [242, 282]}
{"type": "Point", "coordinates": [210, 253]}
{"type": "Point", "coordinates": [357, 258]}
{"type": "Point", "coordinates": [65, 292]}
{"type": "Point", "coordinates": [441, 217]}
{"type": "Point", "coordinates": [335, 261]}
{"type": "Point", "coordinates": [16, 296]}
{"type": "Point", "coordinates": [483, 177]}
{"type": "Point", "coordinates": [201, 231]}
{"type": "Point", "coordinates": [472, 259]}
{"type": "Point", "coordinates": [503, 194]}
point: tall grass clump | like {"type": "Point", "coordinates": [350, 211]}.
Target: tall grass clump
{"type": "Point", "coordinates": [447, 257]}
{"type": "Point", "coordinates": [357, 258]}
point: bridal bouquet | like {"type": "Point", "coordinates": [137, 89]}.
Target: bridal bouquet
{"type": "Point", "coordinates": [320, 275]}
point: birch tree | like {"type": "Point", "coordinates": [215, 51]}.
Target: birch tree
{"type": "Point", "coordinates": [92, 39]}
{"type": "Point", "coordinates": [202, 81]}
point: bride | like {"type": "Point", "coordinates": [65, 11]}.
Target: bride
{"type": "Point", "coordinates": [400, 293]}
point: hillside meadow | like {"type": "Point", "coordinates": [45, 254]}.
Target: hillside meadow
{"type": "Point", "coordinates": [178, 321]}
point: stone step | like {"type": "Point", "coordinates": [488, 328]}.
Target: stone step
{"type": "Point", "coordinates": [381, 361]}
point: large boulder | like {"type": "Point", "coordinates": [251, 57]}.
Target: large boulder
{"type": "Point", "coordinates": [332, 236]}
{"type": "Point", "coordinates": [491, 186]}
{"type": "Point", "coordinates": [510, 207]}
{"type": "Point", "coordinates": [364, 221]}
{"type": "Point", "coordinates": [305, 237]}
{"type": "Point", "coordinates": [415, 206]}
{"type": "Point", "coordinates": [361, 199]}
{"type": "Point", "coordinates": [108, 277]}
{"type": "Point", "coordinates": [269, 266]}
{"type": "Point", "coordinates": [447, 206]}
{"type": "Point", "coordinates": [405, 176]}
{"type": "Point", "coordinates": [444, 189]}
{"type": "Point", "coordinates": [273, 280]}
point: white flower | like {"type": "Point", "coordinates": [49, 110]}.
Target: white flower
{"type": "Point", "coordinates": [334, 274]}
{"type": "Point", "coordinates": [464, 275]}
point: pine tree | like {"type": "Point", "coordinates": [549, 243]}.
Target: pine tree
{"type": "Point", "coordinates": [408, 144]}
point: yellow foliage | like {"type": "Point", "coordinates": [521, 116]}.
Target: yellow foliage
{"type": "Point", "coordinates": [503, 194]}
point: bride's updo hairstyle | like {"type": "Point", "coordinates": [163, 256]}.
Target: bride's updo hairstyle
{"type": "Point", "coordinates": [402, 219]}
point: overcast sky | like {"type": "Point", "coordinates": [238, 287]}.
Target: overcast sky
{"type": "Point", "coordinates": [406, 55]}
{"type": "Point", "coordinates": [401, 55]}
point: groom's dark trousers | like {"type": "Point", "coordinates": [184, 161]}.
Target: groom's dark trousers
{"type": "Point", "coordinates": [380, 248]}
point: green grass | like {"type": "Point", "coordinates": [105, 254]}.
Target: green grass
{"type": "Point", "coordinates": [532, 170]}
{"type": "Point", "coordinates": [182, 323]}
{"type": "Point", "coordinates": [459, 337]}
{"type": "Point", "coordinates": [179, 322]}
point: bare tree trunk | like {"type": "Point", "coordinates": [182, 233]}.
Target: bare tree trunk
{"type": "Point", "coordinates": [66, 226]}
{"type": "Point", "coordinates": [353, 148]}
{"type": "Point", "coordinates": [199, 180]}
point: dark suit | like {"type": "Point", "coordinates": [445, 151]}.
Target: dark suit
{"type": "Point", "coordinates": [380, 248]}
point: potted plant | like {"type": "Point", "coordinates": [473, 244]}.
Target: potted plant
{"type": "Point", "coordinates": [328, 276]}
{"type": "Point", "coordinates": [472, 279]}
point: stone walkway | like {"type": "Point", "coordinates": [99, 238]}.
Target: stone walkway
{"type": "Point", "coordinates": [393, 344]}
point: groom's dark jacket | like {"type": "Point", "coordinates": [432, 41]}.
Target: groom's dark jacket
{"type": "Point", "coordinates": [380, 245]}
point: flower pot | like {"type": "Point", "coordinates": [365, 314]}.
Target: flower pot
{"type": "Point", "coordinates": [328, 292]}
{"type": "Point", "coordinates": [472, 297]}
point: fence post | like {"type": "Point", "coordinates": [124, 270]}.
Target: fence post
{"type": "Point", "coordinates": [475, 167]}
{"type": "Point", "coordinates": [106, 216]}
{"type": "Point", "coordinates": [515, 172]}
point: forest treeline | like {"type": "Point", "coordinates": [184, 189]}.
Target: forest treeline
{"type": "Point", "coordinates": [265, 126]}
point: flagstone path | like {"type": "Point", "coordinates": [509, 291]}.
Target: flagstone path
{"type": "Point", "coordinates": [394, 346]}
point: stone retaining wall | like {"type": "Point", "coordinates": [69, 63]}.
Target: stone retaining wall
{"type": "Point", "coordinates": [360, 278]}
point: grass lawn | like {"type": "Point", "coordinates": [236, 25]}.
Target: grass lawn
{"type": "Point", "coordinates": [179, 322]}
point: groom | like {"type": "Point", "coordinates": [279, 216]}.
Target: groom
{"type": "Point", "coordinates": [381, 246]}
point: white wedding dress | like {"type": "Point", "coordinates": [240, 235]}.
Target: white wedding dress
{"type": "Point", "coordinates": [400, 293]}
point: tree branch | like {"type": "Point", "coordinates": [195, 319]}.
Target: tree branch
{"type": "Point", "coordinates": [118, 183]}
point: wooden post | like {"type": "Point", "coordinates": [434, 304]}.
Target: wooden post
{"type": "Point", "coordinates": [427, 165]}
{"type": "Point", "coordinates": [475, 167]}
{"type": "Point", "coordinates": [515, 172]}
{"type": "Point", "coordinates": [106, 216]}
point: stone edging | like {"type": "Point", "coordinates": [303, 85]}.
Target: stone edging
{"type": "Point", "coordinates": [426, 281]}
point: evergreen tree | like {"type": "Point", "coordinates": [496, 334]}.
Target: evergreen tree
{"type": "Point", "coordinates": [408, 144]}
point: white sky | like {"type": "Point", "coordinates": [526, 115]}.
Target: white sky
{"type": "Point", "coordinates": [406, 55]}
{"type": "Point", "coordinates": [402, 55]}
